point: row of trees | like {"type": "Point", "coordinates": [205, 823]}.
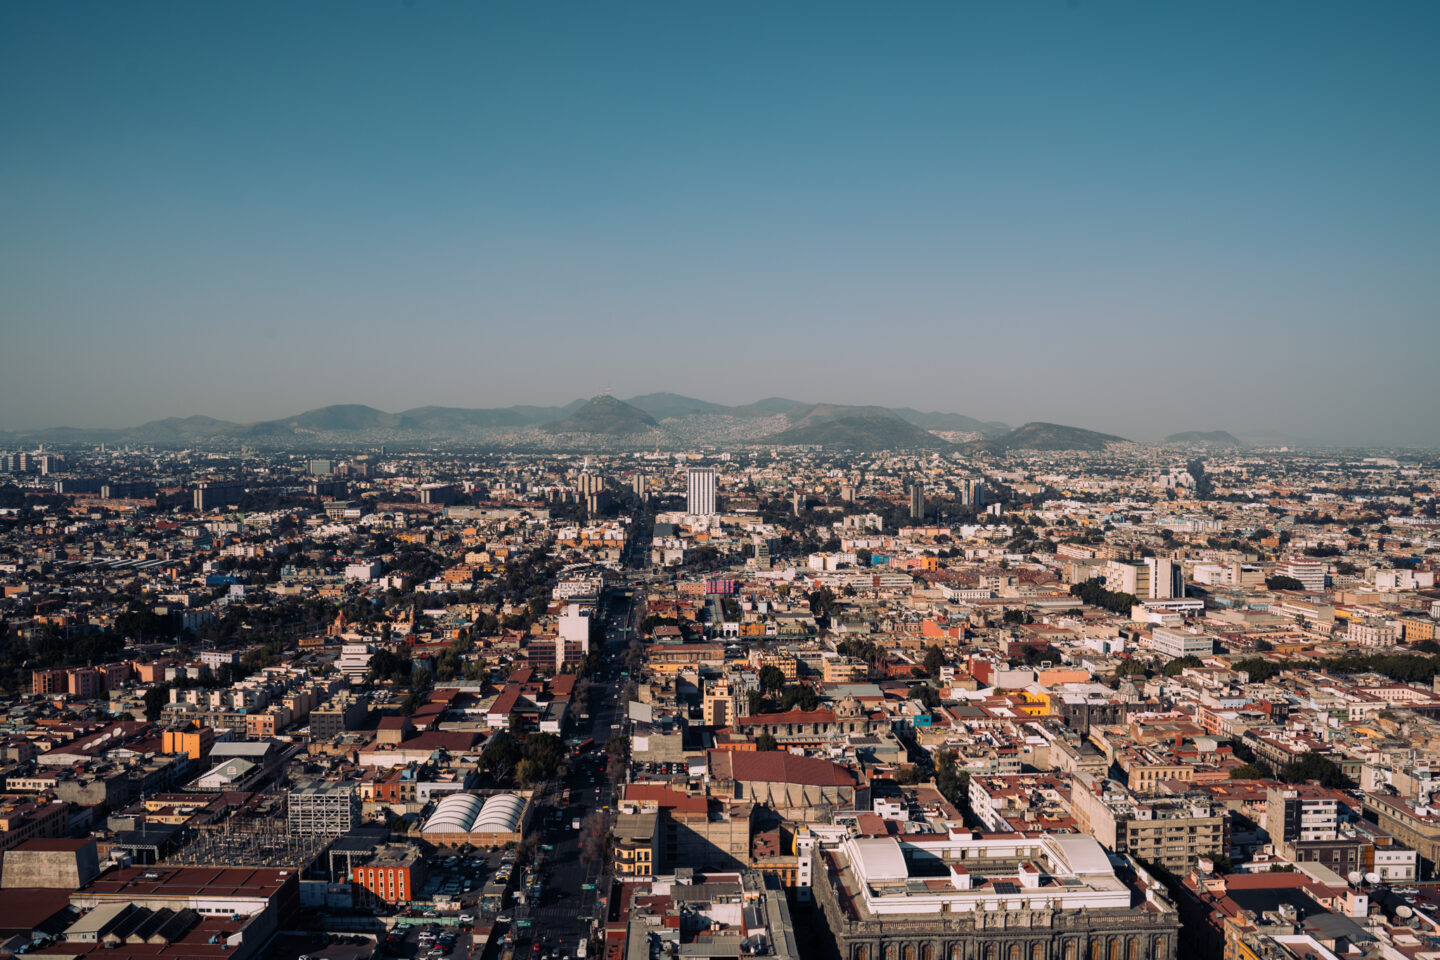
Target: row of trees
{"type": "Point", "coordinates": [1311, 766]}
{"type": "Point", "coordinates": [1094, 593]}
{"type": "Point", "coordinates": [1400, 667]}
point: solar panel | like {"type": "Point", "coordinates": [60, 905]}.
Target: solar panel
{"type": "Point", "coordinates": [1005, 887]}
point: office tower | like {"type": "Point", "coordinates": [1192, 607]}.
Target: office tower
{"type": "Point", "coordinates": [700, 492]}
{"type": "Point", "coordinates": [917, 502]}
{"type": "Point", "coordinates": [638, 485]}
{"type": "Point", "coordinates": [797, 503]}
{"type": "Point", "coordinates": [972, 493]}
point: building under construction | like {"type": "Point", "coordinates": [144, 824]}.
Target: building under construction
{"type": "Point", "coordinates": [249, 843]}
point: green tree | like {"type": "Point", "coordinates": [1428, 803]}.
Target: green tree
{"type": "Point", "coordinates": [1258, 668]}
{"type": "Point", "coordinates": [798, 697]}
{"type": "Point", "coordinates": [926, 696]}
{"type": "Point", "coordinates": [1317, 767]}
{"type": "Point", "coordinates": [1281, 582]}
{"type": "Point", "coordinates": [934, 660]}
{"type": "Point", "coordinates": [155, 699]}
{"type": "Point", "coordinates": [1248, 771]}
{"type": "Point", "coordinates": [1178, 666]}
{"type": "Point", "coordinates": [766, 743]}
{"type": "Point", "coordinates": [771, 677]}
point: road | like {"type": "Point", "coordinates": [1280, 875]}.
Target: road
{"type": "Point", "coordinates": [563, 917]}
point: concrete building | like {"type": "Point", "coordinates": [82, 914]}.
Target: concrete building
{"type": "Point", "coordinates": [1181, 643]}
{"type": "Point", "coordinates": [1001, 897]}
{"type": "Point", "coordinates": [1310, 573]}
{"type": "Point", "coordinates": [700, 491]}
{"type": "Point", "coordinates": [68, 864]}
{"type": "Point", "coordinates": [1172, 831]}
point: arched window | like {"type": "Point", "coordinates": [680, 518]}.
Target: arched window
{"type": "Point", "coordinates": [1114, 948]}
{"type": "Point", "coordinates": [1097, 949]}
{"type": "Point", "coordinates": [1037, 951]}
{"type": "Point", "coordinates": [889, 951]}
{"type": "Point", "coordinates": [1159, 952]}
{"type": "Point", "coordinates": [909, 951]}
{"type": "Point", "coordinates": [1014, 952]}
{"type": "Point", "coordinates": [957, 951]}
{"type": "Point", "coordinates": [862, 952]}
{"type": "Point", "coordinates": [927, 952]}
{"type": "Point", "coordinates": [991, 951]}
{"type": "Point", "coordinates": [1069, 950]}
{"type": "Point", "coordinates": [1132, 948]}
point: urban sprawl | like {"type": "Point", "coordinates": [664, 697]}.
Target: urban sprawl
{"type": "Point", "coordinates": [794, 703]}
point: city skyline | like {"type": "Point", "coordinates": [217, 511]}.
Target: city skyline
{"type": "Point", "coordinates": [1108, 215]}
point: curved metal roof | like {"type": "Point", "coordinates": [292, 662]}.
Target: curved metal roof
{"type": "Point", "coordinates": [454, 814]}
{"type": "Point", "coordinates": [501, 814]}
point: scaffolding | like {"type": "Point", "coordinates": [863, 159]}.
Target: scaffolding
{"type": "Point", "coordinates": [259, 842]}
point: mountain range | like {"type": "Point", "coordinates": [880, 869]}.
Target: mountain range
{"type": "Point", "coordinates": [654, 420]}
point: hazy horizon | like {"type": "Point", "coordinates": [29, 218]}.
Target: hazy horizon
{"type": "Point", "coordinates": [1132, 218]}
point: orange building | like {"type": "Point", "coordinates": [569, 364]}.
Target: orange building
{"type": "Point", "coordinates": [49, 681]}
{"type": "Point", "coordinates": [195, 744]}
{"type": "Point", "coordinates": [392, 876]}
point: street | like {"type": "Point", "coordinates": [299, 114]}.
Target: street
{"type": "Point", "coordinates": [562, 918]}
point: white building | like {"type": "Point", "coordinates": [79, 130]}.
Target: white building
{"type": "Point", "coordinates": [1181, 643]}
{"type": "Point", "coordinates": [700, 491]}
{"type": "Point", "coordinates": [1310, 573]}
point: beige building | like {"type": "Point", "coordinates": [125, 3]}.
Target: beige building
{"type": "Point", "coordinates": [1171, 831]}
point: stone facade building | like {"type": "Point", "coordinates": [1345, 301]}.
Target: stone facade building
{"type": "Point", "coordinates": [1003, 897]}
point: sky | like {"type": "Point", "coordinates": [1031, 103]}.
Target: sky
{"type": "Point", "coordinates": [1132, 217]}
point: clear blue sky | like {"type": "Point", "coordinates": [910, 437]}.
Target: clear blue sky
{"type": "Point", "coordinates": [1135, 217]}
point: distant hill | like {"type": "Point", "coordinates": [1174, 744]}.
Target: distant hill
{"type": "Point", "coordinates": [341, 416]}
{"type": "Point", "coordinates": [854, 428]}
{"type": "Point", "coordinates": [665, 406]}
{"type": "Point", "coordinates": [768, 407]}
{"type": "Point", "coordinates": [184, 430]}
{"type": "Point", "coordinates": [953, 421]}
{"type": "Point", "coordinates": [605, 416]}
{"type": "Point", "coordinates": [1210, 438]}
{"type": "Point", "coordinates": [443, 419]}
{"type": "Point", "coordinates": [1046, 436]}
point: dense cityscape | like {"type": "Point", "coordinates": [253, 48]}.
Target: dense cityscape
{"type": "Point", "coordinates": [719, 480]}
{"type": "Point", "coordinates": [807, 701]}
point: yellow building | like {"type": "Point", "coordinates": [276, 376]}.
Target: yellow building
{"type": "Point", "coordinates": [195, 744]}
{"type": "Point", "coordinates": [1417, 628]}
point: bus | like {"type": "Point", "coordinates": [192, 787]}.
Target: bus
{"type": "Point", "coordinates": [583, 746]}
{"type": "Point", "coordinates": [580, 950]}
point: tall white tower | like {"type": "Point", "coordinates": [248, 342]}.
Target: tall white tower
{"type": "Point", "coordinates": [700, 491]}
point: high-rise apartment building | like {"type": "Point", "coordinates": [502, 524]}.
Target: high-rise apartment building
{"type": "Point", "coordinates": [1310, 573]}
{"type": "Point", "coordinates": [700, 491]}
{"type": "Point", "coordinates": [917, 502]}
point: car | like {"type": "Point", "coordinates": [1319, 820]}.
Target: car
{"type": "Point", "coordinates": [503, 918]}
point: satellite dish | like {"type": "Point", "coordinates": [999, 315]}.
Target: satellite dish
{"type": "Point", "coordinates": [1404, 912]}
{"type": "Point", "coordinates": [1354, 876]}
{"type": "Point", "coordinates": [1372, 878]}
